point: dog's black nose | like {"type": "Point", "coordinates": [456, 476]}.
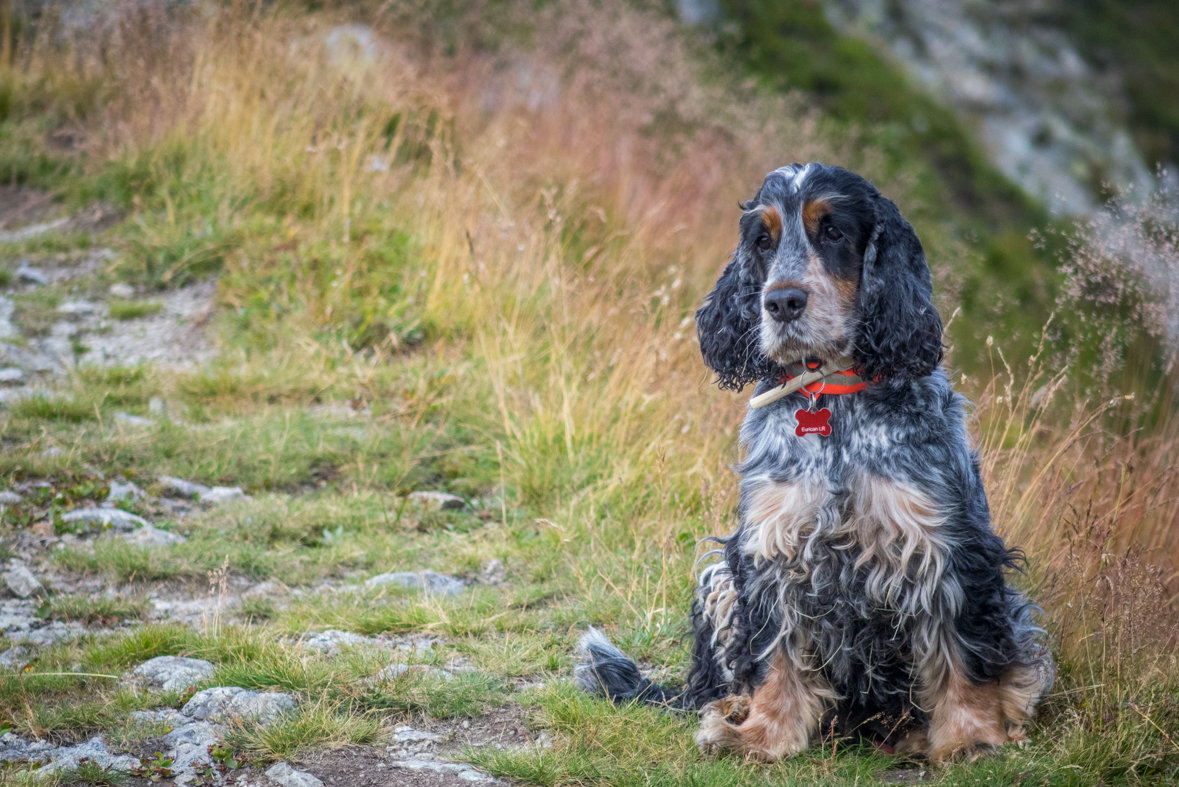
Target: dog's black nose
{"type": "Point", "coordinates": [786, 305]}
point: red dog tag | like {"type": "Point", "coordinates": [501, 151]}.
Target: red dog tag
{"type": "Point", "coordinates": [813, 423]}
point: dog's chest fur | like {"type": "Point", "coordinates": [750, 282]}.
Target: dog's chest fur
{"type": "Point", "coordinates": [847, 546]}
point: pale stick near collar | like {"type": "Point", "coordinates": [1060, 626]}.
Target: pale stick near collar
{"type": "Point", "coordinates": [806, 378]}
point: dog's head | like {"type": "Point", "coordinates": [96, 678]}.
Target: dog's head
{"type": "Point", "coordinates": [826, 268]}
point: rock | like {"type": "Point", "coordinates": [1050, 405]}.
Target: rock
{"type": "Point", "coordinates": [404, 734]}
{"type": "Point", "coordinates": [157, 406]}
{"type": "Point", "coordinates": [463, 770]}
{"type": "Point", "coordinates": [438, 501]}
{"type": "Point", "coordinates": [63, 329]}
{"type": "Point", "coordinates": [173, 673]}
{"type": "Point", "coordinates": [224, 702]}
{"type": "Point", "coordinates": [9, 498]}
{"type": "Point", "coordinates": [329, 642]}
{"type": "Point", "coordinates": [287, 776]}
{"type": "Point", "coordinates": [51, 451]}
{"type": "Point", "coordinates": [31, 275]}
{"type": "Point", "coordinates": [94, 751]}
{"type": "Point", "coordinates": [494, 572]}
{"type": "Point", "coordinates": [167, 716]}
{"type": "Point", "coordinates": [223, 494]}
{"type": "Point", "coordinates": [191, 733]}
{"type": "Point", "coordinates": [54, 632]}
{"type": "Point", "coordinates": [151, 536]}
{"type": "Point", "coordinates": [128, 491]}
{"type": "Point", "coordinates": [180, 487]}
{"type": "Point", "coordinates": [20, 581]}
{"type": "Point", "coordinates": [425, 580]}
{"type": "Point", "coordinates": [76, 307]}
{"type": "Point", "coordinates": [7, 329]}
{"type": "Point", "coordinates": [118, 519]}
{"type": "Point", "coordinates": [210, 703]}
{"type": "Point", "coordinates": [14, 658]}
{"type": "Point", "coordinates": [11, 374]}
{"type": "Point", "coordinates": [134, 420]}
{"type": "Point", "coordinates": [121, 290]}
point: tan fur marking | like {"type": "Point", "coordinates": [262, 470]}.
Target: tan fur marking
{"type": "Point", "coordinates": [777, 721]}
{"type": "Point", "coordinates": [772, 220]}
{"type": "Point", "coordinates": [782, 515]}
{"type": "Point", "coordinates": [813, 212]}
{"type": "Point", "coordinates": [967, 721]}
{"type": "Point", "coordinates": [898, 532]}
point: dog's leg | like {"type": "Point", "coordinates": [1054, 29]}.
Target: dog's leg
{"type": "Point", "coordinates": [1022, 687]}
{"type": "Point", "coordinates": [777, 721]}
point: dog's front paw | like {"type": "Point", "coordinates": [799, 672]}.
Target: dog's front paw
{"type": "Point", "coordinates": [719, 721]}
{"type": "Point", "coordinates": [962, 752]}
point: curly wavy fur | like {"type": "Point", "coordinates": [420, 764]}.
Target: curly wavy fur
{"type": "Point", "coordinates": [863, 590]}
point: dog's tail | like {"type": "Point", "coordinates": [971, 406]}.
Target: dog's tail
{"type": "Point", "coordinates": [607, 671]}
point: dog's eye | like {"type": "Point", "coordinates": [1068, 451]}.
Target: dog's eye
{"type": "Point", "coordinates": [831, 233]}
{"type": "Point", "coordinates": [763, 242]}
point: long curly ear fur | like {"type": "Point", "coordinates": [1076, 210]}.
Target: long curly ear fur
{"type": "Point", "coordinates": [728, 328]}
{"type": "Point", "coordinates": [900, 335]}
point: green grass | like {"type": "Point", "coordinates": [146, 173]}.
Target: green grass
{"type": "Point", "coordinates": [95, 610]}
{"type": "Point", "coordinates": [133, 310]}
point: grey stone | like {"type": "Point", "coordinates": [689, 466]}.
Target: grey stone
{"type": "Point", "coordinates": [494, 572]}
{"type": "Point", "coordinates": [150, 536]}
{"type": "Point", "coordinates": [173, 673]}
{"type": "Point", "coordinates": [122, 521]}
{"type": "Point", "coordinates": [9, 498]}
{"type": "Point", "coordinates": [54, 632]}
{"type": "Point", "coordinates": [11, 374]}
{"type": "Point", "coordinates": [224, 702]}
{"type": "Point", "coordinates": [120, 491]}
{"type": "Point", "coordinates": [157, 406]}
{"type": "Point", "coordinates": [121, 290]}
{"type": "Point", "coordinates": [330, 641]}
{"type": "Point", "coordinates": [63, 330]}
{"type": "Point", "coordinates": [182, 488]}
{"type": "Point", "coordinates": [287, 776]}
{"type": "Point", "coordinates": [404, 734]}
{"type": "Point", "coordinates": [210, 703]}
{"type": "Point", "coordinates": [438, 501]}
{"type": "Point", "coordinates": [7, 329]}
{"type": "Point", "coordinates": [463, 770]}
{"type": "Point", "coordinates": [20, 581]}
{"type": "Point", "coordinates": [94, 750]}
{"type": "Point", "coordinates": [51, 451]}
{"type": "Point", "coordinates": [191, 733]}
{"type": "Point", "coordinates": [223, 494]}
{"type": "Point", "coordinates": [14, 658]}
{"type": "Point", "coordinates": [167, 716]}
{"type": "Point", "coordinates": [429, 581]}
{"type": "Point", "coordinates": [77, 307]}
{"type": "Point", "coordinates": [31, 275]}
{"type": "Point", "coordinates": [134, 420]}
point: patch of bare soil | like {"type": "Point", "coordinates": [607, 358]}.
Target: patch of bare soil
{"type": "Point", "coordinates": [20, 205]}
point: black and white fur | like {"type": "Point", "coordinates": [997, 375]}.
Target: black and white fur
{"type": "Point", "coordinates": [863, 590]}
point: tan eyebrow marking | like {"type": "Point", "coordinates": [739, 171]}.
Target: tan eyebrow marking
{"type": "Point", "coordinates": [813, 212]}
{"type": "Point", "coordinates": [772, 220]}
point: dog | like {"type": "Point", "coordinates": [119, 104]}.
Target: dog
{"type": "Point", "coordinates": [863, 591]}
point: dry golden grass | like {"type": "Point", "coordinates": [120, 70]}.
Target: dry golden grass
{"type": "Point", "coordinates": [565, 184]}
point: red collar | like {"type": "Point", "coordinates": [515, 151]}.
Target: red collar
{"type": "Point", "coordinates": [837, 382]}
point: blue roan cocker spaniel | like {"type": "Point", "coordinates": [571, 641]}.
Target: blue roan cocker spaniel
{"type": "Point", "coordinates": [863, 592]}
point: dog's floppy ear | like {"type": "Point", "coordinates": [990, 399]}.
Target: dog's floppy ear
{"type": "Point", "coordinates": [727, 326]}
{"type": "Point", "coordinates": [900, 335]}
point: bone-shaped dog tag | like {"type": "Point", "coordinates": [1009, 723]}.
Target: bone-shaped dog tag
{"type": "Point", "coordinates": [813, 423]}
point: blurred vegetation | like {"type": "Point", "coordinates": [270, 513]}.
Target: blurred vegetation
{"type": "Point", "coordinates": [1004, 284]}
{"type": "Point", "coordinates": [1140, 40]}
